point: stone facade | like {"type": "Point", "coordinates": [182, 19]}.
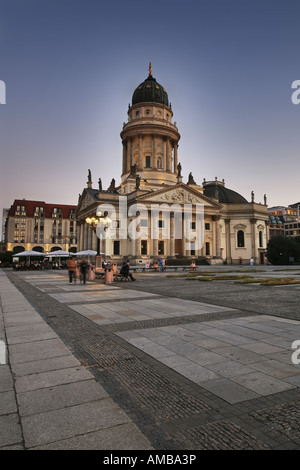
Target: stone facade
{"type": "Point", "coordinates": [154, 213]}
{"type": "Point", "coordinates": [38, 226]}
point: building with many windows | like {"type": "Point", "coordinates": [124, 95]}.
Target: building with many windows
{"type": "Point", "coordinates": [38, 226]}
{"type": "Point", "coordinates": [284, 220]}
{"type": "Point", "coordinates": [153, 213]}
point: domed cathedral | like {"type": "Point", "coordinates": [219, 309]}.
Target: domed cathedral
{"type": "Point", "coordinates": [150, 138]}
{"type": "Point", "coordinates": [153, 213]}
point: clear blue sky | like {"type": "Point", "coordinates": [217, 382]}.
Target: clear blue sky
{"type": "Point", "coordinates": [71, 66]}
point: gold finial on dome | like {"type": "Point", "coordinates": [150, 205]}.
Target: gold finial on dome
{"type": "Point", "coordinates": [150, 69]}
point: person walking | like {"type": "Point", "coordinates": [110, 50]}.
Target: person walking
{"type": "Point", "coordinates": [71, 264]}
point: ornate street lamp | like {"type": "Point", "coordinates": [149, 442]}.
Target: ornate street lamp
{"type": "Point", "coordinates": [93, 223]}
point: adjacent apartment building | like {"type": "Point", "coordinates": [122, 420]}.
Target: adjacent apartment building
{"type": "Point", "coordinates": [285, 220]}
{"type": "Point", "coordinates": [39, 226]}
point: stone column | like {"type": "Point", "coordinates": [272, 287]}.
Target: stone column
{"type": "Point", "coordinates": [124, 156]}
{"type": "Point", "coordinates": [132, 247]}
{"type": "Point", "coordinates": [175, 157]}
{"type": "Point", "coordinates": [140, 162]}
{"type": "Point", "coordinates": [154, 159]}
{"type": "Point", "coordinates": [90, 238]}
{"type": "Point", "coordinates": [228, 241]}
{"type": "Point", "coordinates": [128, 156]}
{"type": "Point", "coordinates": [94, 241]}
{"type": "Point", "coordinates": [172, 235]}
{"type": "Point", "coordinates": [169, 156]}
{"type": "Point", "coordinates": [81, 231]}
{"type": "Point", "coordinates": [155, 247]}
{"type": "Point", "coordinates": [85, 237]}
{"type": "Point", "coordinates": [138, 247]}
{"type": "Point", "coordinates": [253, 238]}
{"type": "Point", "coordinates": [165, 141]}
{"type": "Point", "coordinates": [217, 236]}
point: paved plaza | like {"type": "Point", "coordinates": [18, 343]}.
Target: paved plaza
{"type": "Point", "coordinates": [166, 362]}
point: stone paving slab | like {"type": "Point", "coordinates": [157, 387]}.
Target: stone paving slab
{"type": "Point", "coordinates": [48, 399]}
{"type": "Point", "coordinates": [125, 437]}
{"type": "Point", "coordinates": [51, 379]}
{"type": "Point", "coordinates": [10, 430]}
{"type": "Point", "coordinates": [140, 310]}
{"type": "Point", "coordinates": [229, 391]}
{"type": "Point", "coordinates": [44, 365]}
{"type": "Point", "coordinates": [71, 421]}
{"type": "Point", "coordinates": [27, 333]}
{"type": "Point", "coordinates": [42, 349]}
{"type": "Point", "coordinates": [240, 360]}
{"type": "Point", "coordinates": [113, 294]}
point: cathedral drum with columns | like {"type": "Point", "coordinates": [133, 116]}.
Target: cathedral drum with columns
{"type": "Point", "coordinates": [152, 213]}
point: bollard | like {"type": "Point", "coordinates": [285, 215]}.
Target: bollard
{"type": "Point", "coordinates": [109, 275]}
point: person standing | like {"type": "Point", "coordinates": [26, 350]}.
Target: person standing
{"type": "Point", "coordinates": [71, 264]}
{"type": "Point", "coordinates": [83, 270]}
{"type": "Point", "coordinates": [91, 272]}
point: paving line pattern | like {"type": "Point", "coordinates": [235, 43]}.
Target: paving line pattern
{"type": "Point", "coordinates": [220, 356]}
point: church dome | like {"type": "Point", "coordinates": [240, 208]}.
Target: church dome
{"type": "Point", "coordinates": [224, 195]}
{"type": "Point", "coordinates": [150, 90]}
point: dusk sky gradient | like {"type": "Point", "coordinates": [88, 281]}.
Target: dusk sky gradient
{"type": "Point", "coordinates": [71, 66]}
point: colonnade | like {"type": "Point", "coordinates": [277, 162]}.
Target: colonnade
{"type": "Point", "coordinates": [87, 239]}
{"type": "Point", "coordinates": [168, 152]}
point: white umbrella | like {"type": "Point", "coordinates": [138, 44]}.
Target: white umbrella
{"type": "Point", "coordinates": [87, 253]}
{"type": "Point", "coordinates": [59, 253]}
{"type": "Point", "coordinates": [29, 253]}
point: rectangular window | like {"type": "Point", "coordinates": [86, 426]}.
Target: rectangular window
{"type": "Point", "coordinates": [207, 248]}
{"type": "Point", "coordinates": [143, 247]}
{"type": "Point", "coordinates": [161, 247]}
{"type": "Point", "coordinates": [116, 247]}
{"type": "Point", "coordinates": [207, 226]}
{"type": "Point", "coordinates": [193, 225]}
{"type": "Point", "coordinates": [148, 161]}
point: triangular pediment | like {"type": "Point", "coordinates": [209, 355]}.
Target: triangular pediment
{"type": "Point", "coordinates": [86, 200]}
{"type": "Point", "coordinates": [179, 194]}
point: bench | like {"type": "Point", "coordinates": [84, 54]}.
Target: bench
{"type": "Point", "coordinates": [143, 269]}
{"type": "Point", "coordinates": [121, 277]}
{"type": "Point", "coordinates": [100, 275]}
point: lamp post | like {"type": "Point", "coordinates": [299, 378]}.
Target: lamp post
{"type": "Point", "coordinates": [93, 223]}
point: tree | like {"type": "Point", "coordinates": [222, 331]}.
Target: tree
{"type": "Point", "coordinates": [281, 250]}
{"type": "Point", "coordinates": [6, 258]}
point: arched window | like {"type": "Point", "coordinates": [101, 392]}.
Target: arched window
{"type": "Point", "coordinates": [240, 239]}
{"type": "Point", "coordinates": [260, 237]}
{"type": "Point", "coordinates": [38, 248]}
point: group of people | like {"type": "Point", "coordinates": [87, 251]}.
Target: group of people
{"type": "Point", "coordinates": [80, 270]}
{"type": "Point", "coordinates": [84, 271]}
